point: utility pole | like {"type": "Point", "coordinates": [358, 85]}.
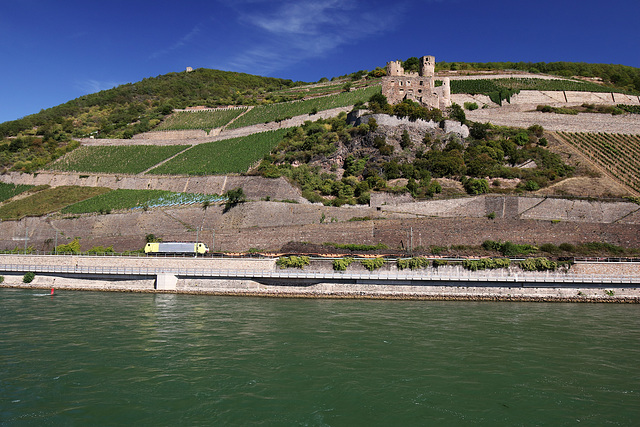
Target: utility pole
{"type": "Point", "coordinates": [411, 241]}
{"type": "Point", "coordinates": [197, 237]}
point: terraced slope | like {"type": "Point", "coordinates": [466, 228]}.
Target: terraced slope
{"type": "Point", "coordinates": [617, 154]}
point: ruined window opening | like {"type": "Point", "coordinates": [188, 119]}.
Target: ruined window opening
{"type": "Point", "coordinates": [421, 83]}
{"type": "Point", "coordinates": [400, 82]}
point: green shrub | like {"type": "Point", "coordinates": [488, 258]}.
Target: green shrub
{"type": "Point", "coordinates": [457, 113]}
{"type": "Point", "coordinates": [567, 247]}
{"type": "Point", "coordinates": [470, 106]}
{"type": "Point", "coordinates": [485, 263]}
{"type": "Point", "coordinates": [531, 186]}
{"type": "Point", "coordinates": [292, 261]}
{"type": "Point", "coordinates": [405, 140]}
{"type": "Point", "coordinates": [373, 264]}
{"type": "Point", "coordinates": [476, 186]}
{"type": "Point", "coordinates": [71, 247]}
{"type": "Point", "coordinates": [507, 248]}
{"type": "Point", "coordinates": [598, 247]}
{"type": "Point", "coordinates": [28, 277]}
{"type": "Point", "coordinates": [549, 248]}
{"type": "Point", "coordinates": [439, 263]}
{"type": "Point", "coordinates": [536, 130]}
{"type": "Point", "coordinates": [413, 263]}
{"type": "Point", "coordinates": [437, 250]}
{"type": "Point", "coordinates": [101, 250]}
{"type": "Point", "coordinates": [341, 264]}
{"type": "Point", "coordinates": [538, 264]}
{"type": "Point", "coordinates": [1, 279]}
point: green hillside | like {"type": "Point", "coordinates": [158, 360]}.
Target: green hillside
{"type": "Point", "coordinates": [137, 107]}
{"type": "Point", "coordinates": [31, 143]}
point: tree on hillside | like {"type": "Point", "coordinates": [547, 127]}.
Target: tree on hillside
{"type": "Point", "coordinates": [234, 197]}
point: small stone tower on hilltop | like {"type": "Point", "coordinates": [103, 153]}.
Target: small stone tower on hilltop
{"type": "Point", "coordinates": [420, 87]}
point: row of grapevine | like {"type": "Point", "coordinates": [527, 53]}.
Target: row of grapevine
{"type": "Point", "coordinates": [282, 111]}
{"type": "Point", "coordinates": [486, 86]}
{"type": "Point", "coordinates": [205, 120]}
{"type": "Point", "coordinates": [131, 159]}
{"type": "Point", "coordinates": [8, 191]}
{"type": "Point", "coordinates": [234, 155]}
{"type": "Point", "coordinates": [618, 154]}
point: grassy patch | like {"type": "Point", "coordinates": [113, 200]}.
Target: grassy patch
{"type": "Point", "coordinates": [130, 159]}
{"type": "Point", "coordinates": [47, 201]}
{"type": "Point", "coordinates": [234, 155]}
{"type": "Point", "coordinates": [129, 199]}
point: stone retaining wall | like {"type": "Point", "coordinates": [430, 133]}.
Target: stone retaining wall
{"type": "Point", "coordinates": [173, 134]}
{"type": "Point", "coordinates": [255, 187]}
{"type": "Point", "coordinates": [271, 225]}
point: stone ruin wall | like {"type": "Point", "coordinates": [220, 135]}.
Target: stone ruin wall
{"type": "Point", "coordinates": [420, 87]}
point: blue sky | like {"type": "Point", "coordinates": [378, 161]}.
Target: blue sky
{"type": "Point", "coordinates": [57, 50]}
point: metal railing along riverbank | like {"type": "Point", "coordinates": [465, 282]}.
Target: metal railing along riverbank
{"type": "Point", "coordinates": [302, 275]}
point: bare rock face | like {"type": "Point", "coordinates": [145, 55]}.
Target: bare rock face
{"type": "Point", "coordinates": [451, 126]}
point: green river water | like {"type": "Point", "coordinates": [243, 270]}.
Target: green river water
{"type": "Point", "coordinates": [92, 358]}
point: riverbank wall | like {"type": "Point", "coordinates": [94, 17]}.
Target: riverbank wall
{"type": "Point", "coordinates": [249, 288]}
{"type": "Point", "coordinates": [505, 285]}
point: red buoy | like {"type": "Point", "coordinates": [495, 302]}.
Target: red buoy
{"type": "Point", "coordinates": [51, 291]}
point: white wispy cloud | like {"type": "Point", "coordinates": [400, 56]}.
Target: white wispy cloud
{"type": "Point", "coordinates": [295, 31]}
{"type": "Point", "coordinates": [181, 42]}
{"type": "Point", "coordinates": [92, 86]}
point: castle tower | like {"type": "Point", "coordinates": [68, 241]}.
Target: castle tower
{"type": "Point", "coordinates": [427, 66]}
{"type": "Point", "coordinates": [445, 96]}
{"type": "Point", "coordinates": [394, 68]}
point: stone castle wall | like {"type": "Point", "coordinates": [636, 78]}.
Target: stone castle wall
{"type": "Point", "coordinates": [420, 87]}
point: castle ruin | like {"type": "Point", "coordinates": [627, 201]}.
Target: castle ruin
{"type": "Point", "coordinates": [420, 87]}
